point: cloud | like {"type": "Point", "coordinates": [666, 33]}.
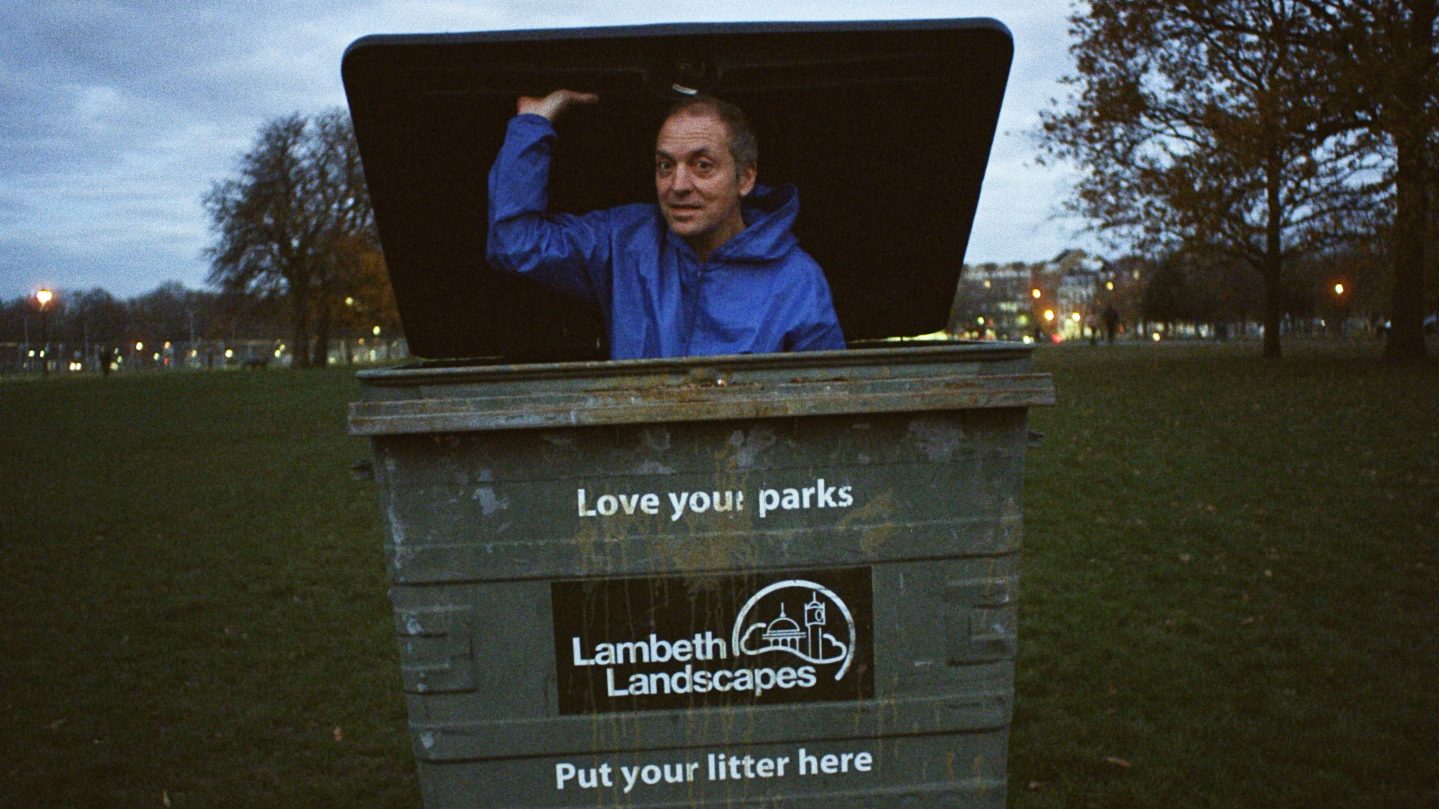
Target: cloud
{"type": "Point", "coordinates": [120, 115]}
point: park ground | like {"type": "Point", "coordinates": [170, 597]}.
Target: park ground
{"type": "Point", "coordinates": [1230, 588]}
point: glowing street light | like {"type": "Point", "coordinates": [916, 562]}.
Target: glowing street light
{"type": "Point", "coordinates": [375, 331]}
{"type": "Point", "coordinates": [1049, 314]}
{"type": "Point", "coordinates": [1342, 305]}
{"type": "Point", "coordinates": [43, 298]}
{"type": "Point", "coordinates": [1036, 294]}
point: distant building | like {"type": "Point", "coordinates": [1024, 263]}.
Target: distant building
{"type": "Point", "coordinates": [1081, 278]}
{"type": "Point", "coordinates": [1017, 301]}
{"type": "Point", "coordinates": [992, 302]}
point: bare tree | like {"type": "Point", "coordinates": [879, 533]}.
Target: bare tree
{"type": "Point", "coordinates": [283, 224]}
{"type": "Point", "coordinates": [1196, 125]}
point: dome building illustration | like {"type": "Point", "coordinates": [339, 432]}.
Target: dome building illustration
{"type": "Point", "coordinates": [785, 633]}
{"type": "Point", "coordinates": [811, 642]}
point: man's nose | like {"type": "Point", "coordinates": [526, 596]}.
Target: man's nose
{"type": "Point", "coordinates": [680, 181]}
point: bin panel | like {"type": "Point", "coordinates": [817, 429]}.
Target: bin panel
{"type": "Point", "coordinates": [966, 771]}
{"type": "Point", "coordinates": [711, 496]}
{"type": "Point", "coordinates": [922, 688]}
{"type": "Point", "coordinates": [851, 575]}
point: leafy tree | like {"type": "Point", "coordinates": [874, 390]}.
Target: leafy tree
{"type": "Point", "coordinates": [1379, 60]}
{"type": "Point", "coordinates": [284, 226]}
{"type": "Point", "coordinates": [169, 313]}
{"type": "Point", "coordinates": [20, 319]}
{"type": "Point", "coordinates": [95, 316]}
{"type": "Point", "coordinates": [370, 301]}
{"type": "Point", "coordinates": [1197, 287]}
{"type": "Point", "coordinates": [1167, 296]}
{"type": "Point", "coordinates": [1195, 124]}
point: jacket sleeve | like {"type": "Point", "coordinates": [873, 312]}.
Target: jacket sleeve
{"type": "Point", "coordinates": [819, 330]}
{"type": "Point", "coordinates": [563, 251]}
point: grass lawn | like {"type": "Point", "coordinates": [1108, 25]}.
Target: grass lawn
{"type": "Point", "coordinates": [1230, 590]}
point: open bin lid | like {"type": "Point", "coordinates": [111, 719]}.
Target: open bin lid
{"type": "Point", "coordinates": [884, 126]}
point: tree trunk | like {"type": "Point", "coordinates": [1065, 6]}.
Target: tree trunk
{"type": "Point", "coordinates": [322, 340]}
{"type": "Point", "coordinates": [1273, 305]}
{"type": "Point", "coordinates": [299, 328]}
{"type": "Point", "coordinates": [1273, 263]}
{"type": "Point", "coordinates": [1406, 314]}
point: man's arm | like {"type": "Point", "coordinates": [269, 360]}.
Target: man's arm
{"type": "Point", "coordinates": [563, 251]}
{"type": "Point", "coordinates": [550, 107]}
{"type": "Point", "coordinates": [819, 330]}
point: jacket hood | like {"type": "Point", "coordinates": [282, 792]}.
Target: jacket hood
{"type": "Point", "coordinates": [769, 212]}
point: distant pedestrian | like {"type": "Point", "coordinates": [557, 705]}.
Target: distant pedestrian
{"type": "Point", "coordinates": [1111, 322]}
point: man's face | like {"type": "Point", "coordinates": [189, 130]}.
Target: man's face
{"type": "Point", "coordinates": [695, 181]}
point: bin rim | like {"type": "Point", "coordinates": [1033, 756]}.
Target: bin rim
{"type": "Point", "coordinates": [698, 389]}
{"type": "Point", "coordinates": [695, 367]}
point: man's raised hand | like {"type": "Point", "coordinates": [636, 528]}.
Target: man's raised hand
{"type": "Point", "coordinates": [552, 105]}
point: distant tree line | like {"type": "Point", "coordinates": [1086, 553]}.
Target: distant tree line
{"type": "Point", "coordinates": [1267, 134]}
{"type": "Point", "coordinates": [98, 318]}
{"type": "Point", "coordinates": [95, 319]}
{"type": "Point", "coordinates": [1334, 291]}
{"type": "Point", "coordinates": [295, 258]}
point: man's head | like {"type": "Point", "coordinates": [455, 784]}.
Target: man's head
{"type": "Point", "coordinates": [705, 162]}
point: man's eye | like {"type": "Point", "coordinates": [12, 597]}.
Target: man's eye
{"type": "Point", "coordinates": [704, 166]}
{"type": "Point", "coordinates": [664, 166]}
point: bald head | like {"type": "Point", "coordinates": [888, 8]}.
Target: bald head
{"type": "Point", "coordinates": [743, 145]}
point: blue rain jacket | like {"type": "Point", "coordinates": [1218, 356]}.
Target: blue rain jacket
{"type": "Point", "coordinates": [758, 293]}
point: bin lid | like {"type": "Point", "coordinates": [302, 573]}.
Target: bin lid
{"type": "Point", "coordinates": [884, 126]}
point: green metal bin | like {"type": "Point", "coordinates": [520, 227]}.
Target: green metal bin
{"type": "Point", "coordinates": [770, 580]}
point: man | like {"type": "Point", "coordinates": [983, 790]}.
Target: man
{"type": "Point", "coordinates": [711, 269]}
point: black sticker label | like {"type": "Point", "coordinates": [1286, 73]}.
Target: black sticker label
{"type": "Point", "coordinates": [640, 644]}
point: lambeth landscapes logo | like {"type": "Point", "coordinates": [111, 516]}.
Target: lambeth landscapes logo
{"type": "Point", "coordinates": [813, 642]}
{"type": "Point", "coordinates": [681, 642]}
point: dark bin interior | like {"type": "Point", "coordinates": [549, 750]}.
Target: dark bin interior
{"type": "Point", "coordinates": [885, 127]}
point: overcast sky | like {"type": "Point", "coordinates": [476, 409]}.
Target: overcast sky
{"type": "Point", "coordinates": [116, 117]}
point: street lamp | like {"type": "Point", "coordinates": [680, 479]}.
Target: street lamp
{"type": "Point", "coordinates": [1341, 306]}
{"type": "Point", "coordinates": [43, 298]}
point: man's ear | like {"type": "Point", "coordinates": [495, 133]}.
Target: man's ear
{"type": "Point", "coordinates": [746, 180]}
